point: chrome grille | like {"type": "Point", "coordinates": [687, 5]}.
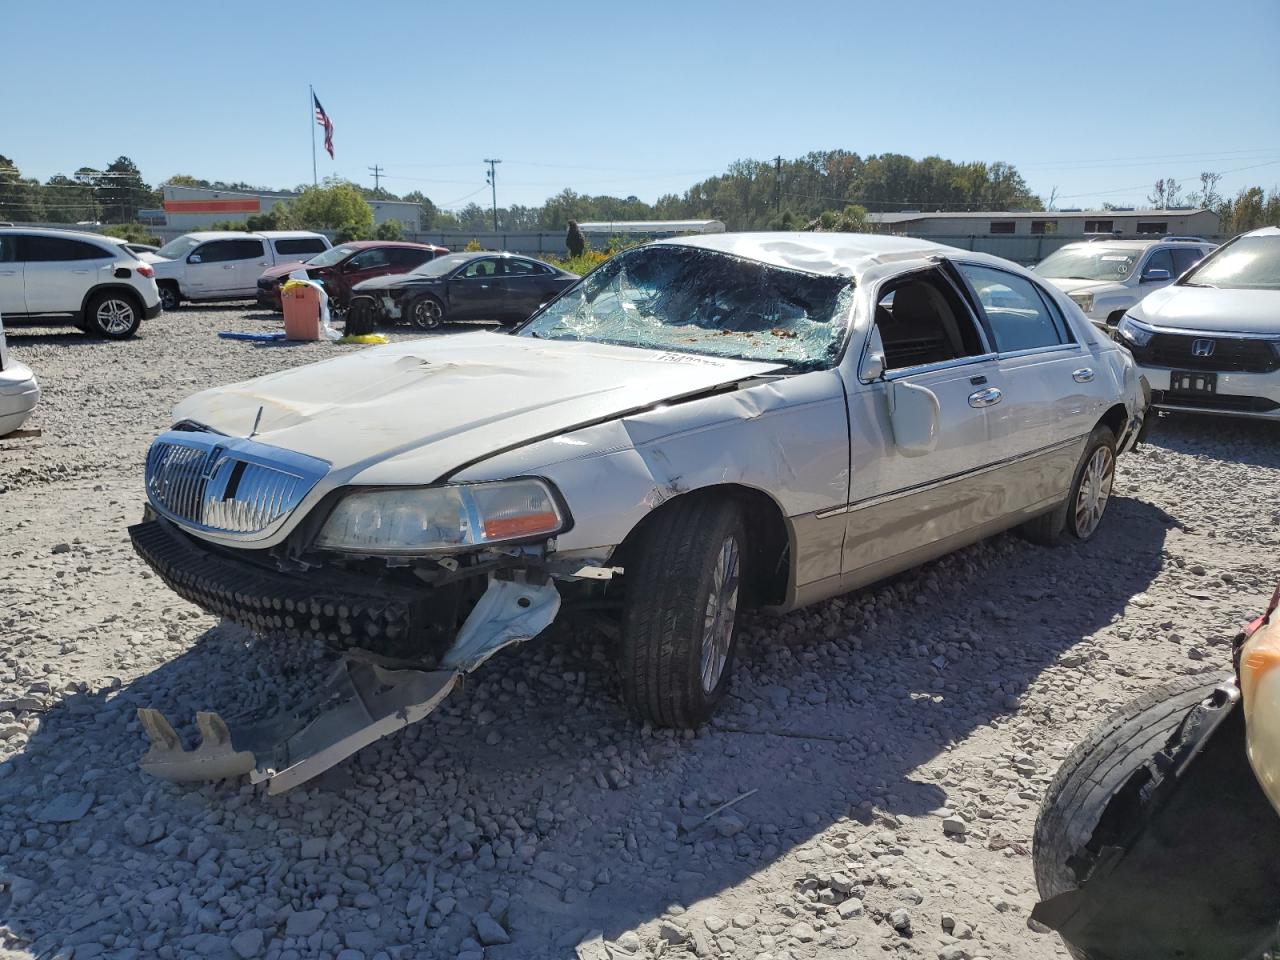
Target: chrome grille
{"type": "Point", "coordinates": [224, 484]}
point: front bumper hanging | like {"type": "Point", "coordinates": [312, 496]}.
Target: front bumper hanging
{"type": "Point", "coordinates": [366, 696]}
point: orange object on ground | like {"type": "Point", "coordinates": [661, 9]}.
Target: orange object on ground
{"type": "Point", "coordinates": [301, 304]}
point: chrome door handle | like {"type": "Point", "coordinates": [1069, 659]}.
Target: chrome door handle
{"type": "Point", "coordinates": [8, 273]}
{"type": "Point", "coordinates": [985, 398]}
{"type": "Point", "coordinates": [1083, 375]}
{"type": "Point", "coordinates": [228, 266]}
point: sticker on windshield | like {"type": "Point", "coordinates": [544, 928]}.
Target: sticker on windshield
{"type": "Point", "coordinates": [1115, 257]}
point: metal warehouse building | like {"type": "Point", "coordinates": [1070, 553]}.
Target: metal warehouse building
{"type": "Point", "coordinates": [1198, 222]}
{"type": "Point", "coordinates": [195, 208]}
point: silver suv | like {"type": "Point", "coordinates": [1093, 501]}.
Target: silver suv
{"type": "Point", "coordinates": [1106, 277]}
{"type": "Point", "coordinates": [94, 281]}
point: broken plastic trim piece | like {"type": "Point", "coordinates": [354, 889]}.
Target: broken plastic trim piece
{"type": "Point", "coordinates": [363, 700]}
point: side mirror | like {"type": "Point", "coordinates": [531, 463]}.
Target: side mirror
{"type": "Point", "coordinates": [1156, 275]}
{"type": "Point", "coordinates": [195, 258]}
{"type": "Point", "coordinates": [913, 411]}
{"type": "Point", "coordinates": [873, 363]}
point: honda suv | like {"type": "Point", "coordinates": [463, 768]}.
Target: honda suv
{"type": "Point", "coordinates": [93, 281]}
{"type": "Point", "coordinates": [1210, 343]}
{"type": "Point", "coordinates": [1106, 277]}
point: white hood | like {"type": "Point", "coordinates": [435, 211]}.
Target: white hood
{"type": "Point", "coordinates": [1211, 309]}
{"type": "Point", "coordinates": [415, 411]}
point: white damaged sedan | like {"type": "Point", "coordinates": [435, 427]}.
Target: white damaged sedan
{"type": "Point", "coordinates": [699, 425]}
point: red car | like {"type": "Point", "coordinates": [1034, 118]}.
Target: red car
{"type": "Point", "coordinates": [347, 264]}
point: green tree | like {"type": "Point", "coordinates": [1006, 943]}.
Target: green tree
{"type": "Point", "coordinates": [120, 192]}
{"type": "Point", "coordinates": [574, 241]}
{"type": "Point", "coordinates": [68, 201]}
{"type": "Point", "coordinates": [19, 196]}
{"type": "Point", "coordinates": [338, 205]}
{"type": "Point", "coordinates": [389, 230]}
{"type": "Point", "coordinates": [133, 232]}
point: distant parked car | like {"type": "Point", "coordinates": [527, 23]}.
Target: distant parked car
{"type": "Point", "coordinates": [1211, 342]}
{"type": "Point", "coordinates": [19, 391]}
{"type": "Point", "coordinates": [226, 264]}
{"type": "Point", "coordinates": [1107, 277]}
{"type": "Point", "coordinates": [465, 286]}
{"type": "Point", "coordinates": [342, 267]}
{"type": "Point", "coordinates": [91, 280]}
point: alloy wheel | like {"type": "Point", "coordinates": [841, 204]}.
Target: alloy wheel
{"type": "Point", "coordinates": [1095, 490]}
{"type": "Point", "coordinates": [722, 609]}
{"type": "Point", "coordinates": [427, 314]}
{"type": "Point", "coordinates": [115, 317]}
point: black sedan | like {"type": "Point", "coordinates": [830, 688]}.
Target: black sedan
{"type": "Point", "coordinates": [463, 286]}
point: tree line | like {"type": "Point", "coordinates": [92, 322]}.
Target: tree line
{"type": "Point", "coordinates": [830, 189]}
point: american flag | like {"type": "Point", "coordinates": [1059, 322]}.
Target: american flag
{"type": "Point", "coordinates": [322, 118]}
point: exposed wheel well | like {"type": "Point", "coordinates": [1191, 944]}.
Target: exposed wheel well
{"type": "Point", "coordinates": [1113, 318]}
{"type": "Point", "coordinates": [118, 289]}
{"type": "Point", "coordinates": [768, 540]}
{"type": "Point", "coordinates": [1116, 419]}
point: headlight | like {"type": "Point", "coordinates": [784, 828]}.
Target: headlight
{"type": "Point", "coordinates": [424, 519]}
{"type": "Point", "coordinates": [1260, 688]}
{"type": "Point", "coordinates": [1135, 333]}
{"type": "Point", "coordinates": [1083, 300]}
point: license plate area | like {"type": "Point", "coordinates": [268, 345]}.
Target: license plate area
{"type": "Point", "coordinates": [1193, 382]}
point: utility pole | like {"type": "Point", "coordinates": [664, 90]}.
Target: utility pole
{"type": "Point", "coordinates": [377, 174]}
{"type": "Point", "coordinates": [777, 184]}
{"type": "Point", "coordinates": [493, 184]}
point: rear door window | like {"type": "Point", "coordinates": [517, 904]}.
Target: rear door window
{"type": "Point", "coordinates": [1184, 258]}
{"type": "Point", "coordinates": [407, 258]}
{"type": "Point", "coordinates": [1019, 315]}
{"type": "Point", "coordinates": [300, 246]}
{"type": "Point", "coordinates": [38, 249]}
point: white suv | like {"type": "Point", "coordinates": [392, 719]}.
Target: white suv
{"type": "Point", "coordinates": [94, 281]}
{"type": "Point", "coordinates": [226, 264]}
{"type": "Point", "coordinates": [1106, 277]}
{"type": "Point", "coordinates": [1210, 343]}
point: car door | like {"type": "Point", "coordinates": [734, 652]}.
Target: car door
{"type": "Point", "coordinates": [476, 290]}
{"type": "Point", "coordinates": [1053, 395]}
{"type": "Point", "coordinates": [908, 503]}
{"type": "Point", "coordinates": [210, 269]}
{"type": "Point", "coordinates": [249, 259]}
{"type": "Point", "coordinates": [527, 286]}
{"type": "Point", "coordinates": [369, 263]}
{"type": "Point", "coordinates": [59, 272]}
{"type": "Point", "coordinates": [1184, 258]}
{"type": "Point", "coordinates": [13, 297]}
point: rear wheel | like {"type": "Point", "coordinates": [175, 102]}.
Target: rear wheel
{"type": "Point", "coordinates": [680, 611]}
{"type": "Point", "coordinates": [426, 313]}
{"type": "Point", "coordinates": [113, 315]}
{"type": "Point", "coordinates": [1080, 515]}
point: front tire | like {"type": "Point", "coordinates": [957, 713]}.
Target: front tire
{"type": "Point", "coordinates": [1079, 516]}
{"type": "Point", "coordinates": [680, 611]}
{"type": "Point", "coordinates": [113, 315]}
{"type": "Point", "coordinates": [170, 298]}
{"type": "Point", "coordinates": [426, 313]}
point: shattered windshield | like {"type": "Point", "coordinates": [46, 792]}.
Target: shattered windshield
{"type": "Point", "coordinates": [671, 297]}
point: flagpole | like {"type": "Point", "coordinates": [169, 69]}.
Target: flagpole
{"type": "Point", "coordinates": [311, 112]}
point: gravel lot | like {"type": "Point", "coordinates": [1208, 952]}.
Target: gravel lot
{"type": "Point", "coordinates": [894, 743]}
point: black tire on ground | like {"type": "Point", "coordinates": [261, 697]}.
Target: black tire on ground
{"type": "Point", "coordinates": [685, 565]}
{"type": "Point", "coordinates": [425, 313]}
{"type": "Point", "coordinates": [113, 314]}
{"type": "Point", "coordinates": [1073, 517]}
{"type": "Point", "coordinates": [1089, 776]}
{"type": "Point", "coordinates": [360, 317]}
{"type": "Point", "coordinates": [170, 298]}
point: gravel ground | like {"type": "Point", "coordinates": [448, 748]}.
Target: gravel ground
{"type": "Point", "coordinates": [892, 745]}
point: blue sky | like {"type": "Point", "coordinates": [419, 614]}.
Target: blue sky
{"type": "Point", "coordinates": [1095, 98]}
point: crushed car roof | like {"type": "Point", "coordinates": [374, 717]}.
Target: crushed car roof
{"type": "Point", "coordinates": [833, 254]}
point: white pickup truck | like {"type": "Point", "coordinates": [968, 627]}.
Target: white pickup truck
{"type": "Point", "coordinates": [226, 264]}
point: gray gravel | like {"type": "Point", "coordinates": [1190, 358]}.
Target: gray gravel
{"type": "Point", "coordinates": [897, 740]}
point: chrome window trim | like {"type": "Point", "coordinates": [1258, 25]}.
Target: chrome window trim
{"type": "Point", "coordinates": [1032, 351]}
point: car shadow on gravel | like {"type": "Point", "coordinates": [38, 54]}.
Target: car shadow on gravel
{"type": "Point", "coordinates": [531, 795]}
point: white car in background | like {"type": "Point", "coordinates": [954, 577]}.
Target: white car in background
{"type": "Point", "coordinates": [1210, 343]}
{"type": "Point", "coordinates": [226, 264]}
{"type": "Point", "coordinates": [93, 281]}
{"type": "Point", "coordinates": [19, 391]}
{"type": "Point", "coordinates": [1106, 277]}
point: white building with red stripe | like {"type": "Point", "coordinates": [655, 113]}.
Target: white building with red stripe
{"type": "Point", "coordinates": [196, 208]}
